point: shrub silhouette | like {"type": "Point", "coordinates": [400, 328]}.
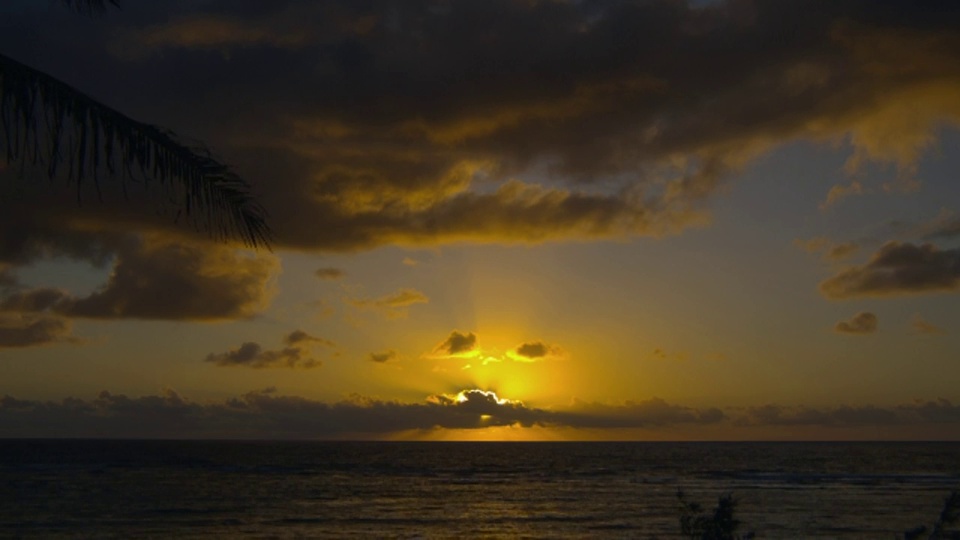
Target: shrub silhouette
{"type": "Point", "coordinates": [696, 524]}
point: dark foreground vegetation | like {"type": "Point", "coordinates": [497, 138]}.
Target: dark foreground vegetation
{"type": "Point", "coordinates": [697, 523]}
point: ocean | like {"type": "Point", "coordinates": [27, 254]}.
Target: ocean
{"type": "Point", "coordinates": [227, 489]}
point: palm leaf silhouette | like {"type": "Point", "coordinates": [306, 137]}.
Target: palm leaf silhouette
{"type": "Point", "coordinates": [90, 7]}
{"type": "Point", "coordinates": [46, 122]}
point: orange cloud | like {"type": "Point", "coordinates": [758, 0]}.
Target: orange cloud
{"type": "Point", "coordinates": [921, 326]}
{"type": "Point", "coordinates": [393, 305]}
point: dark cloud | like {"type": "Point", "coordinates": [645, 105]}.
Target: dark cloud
{"type": "Point", "coordinates": [33, 331]}
{"type": "Point", "coordinates": [898, 269]}
{"type": "Point", "coordinates": [299, 337]}
{"type": "Point", "coordinates": [155, 277]}
{"type": "Point", "coordinates": [508, 120]}
{"type": "Point", "coordinates": [298, 354]}
{"type": "Point", "coordinates": [534, 351]}
{"type": "Point", "coordinates": [862, 323]}
{"type": "Point", "coordinates": [773, 415]}
{"type": "Point", "coordinates": [7, 277]}
{"type": "Point", "coordinates": [457, 343]}
{"type": "Point", "coordinates": [329, 273]}
{"type": "Point", "coordinates": [33, 300]}
{"type": "Point", "coordinates": [940, 411]}
{"type": "Point", "coordinates": [268, 415]}
{"type": "Point", "coordinates": [651, 412]}
{"type": "Point", "coordinates": [252, 355]}
{"type": "Point", "coordinates": [159, 279]}
{"type": "Point", "coordinates": [25, 237]}
{"type": "Point", "coordinates": [384, 357]}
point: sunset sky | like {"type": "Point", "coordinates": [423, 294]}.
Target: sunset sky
{"type": "Point", "coordinates": [502, 219]}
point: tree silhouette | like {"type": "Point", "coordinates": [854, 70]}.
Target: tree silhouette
{"type": "Point", "coordinates": [47, 124]}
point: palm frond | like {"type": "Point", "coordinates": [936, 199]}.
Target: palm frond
{"type": "Point", "coordinates": [89, 7]}
{"type": "Point", "coordinates": [46, 122]}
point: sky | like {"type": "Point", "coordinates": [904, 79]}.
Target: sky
{"type": "Point", "coordinates": [500, 220]}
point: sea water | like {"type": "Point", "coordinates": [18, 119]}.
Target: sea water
{"type": "Point", "coordinates": [137, 489]}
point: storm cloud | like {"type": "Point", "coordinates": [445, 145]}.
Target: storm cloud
{"type": "Point", "coordinates": [505, 121]}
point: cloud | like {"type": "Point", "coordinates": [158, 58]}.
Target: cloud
{"type": "Point", "coordinates": [534, 351]}
{"type": "Point", "coordinates": [840, 191]}
{"type": "Point", "coordinates": [921, 326]}
{"type": "Point", "coordinates": [860, 324]}
{"type": "Point", "coordinates": [329, 273]}
{"type": "Point", "coordinates": [457, 344]}
{"type": "Point", "coordinates": [393, 305]}
{"type": "Point", "coordinates": [33, 300]}
{"type": "Point", "coordinates": [812, 245]}
{"type": "Point", "coordinates": [354, 148]}
{"type": "Point", "coordinates": [828, 249]}
{"type": "Point", "coordinates": [252, 355]}
{"type": "Point", "coordinates": [162, 279]}
{"type": "Point", "coordinates": [267, 414]}
{"type": "Point", "coordinates": [7, 277]}
{"type": "Point", "coordinates": [299, 337]}
{"type": "Point", "coordinates": [650, 412]}
{"type": "Point", "coordinates": [152, 277]}
{"type": "Point", "coordinates": [841, 251]}
{"type": "Point", "coordinates": [945, 226]}
{"type": "Point", "coordinates": [939, 411]}
{"type": "Point", "coordinates": [384, 357]}
{"type": "Point", "coordinates": [297, 354]}
{"type": "Point", "coordinates": [206, 33]}
{"type": "Point", "coordinates": [898, 269]}
{"type": "Point", "coordinates": [16, 332]}
{"type": "Point", "coordinates": [773, 415]}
